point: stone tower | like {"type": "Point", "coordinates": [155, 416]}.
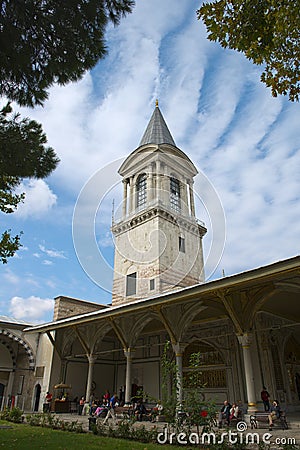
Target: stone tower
{"type": "Point", "coordinates": [158, 240]}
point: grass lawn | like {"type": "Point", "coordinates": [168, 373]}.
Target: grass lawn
{"type": "Point", "coordinates": [23, 437]}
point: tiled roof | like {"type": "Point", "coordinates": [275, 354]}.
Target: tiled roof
{"type": "Point", "coordinates": [157, 131]}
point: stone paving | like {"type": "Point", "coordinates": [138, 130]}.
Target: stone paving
{"type": "Point", "coordinates": [274, 438]}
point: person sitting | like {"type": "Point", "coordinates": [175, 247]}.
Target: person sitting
{"type": "Point", "coordinates": [234, 412]}
{"type": "Point", "coordinates": [274, 413]}
{"type": "Point", "coordinates": [140, 411]}
{"type": "Point", "coordinates": [94, 406]}
{"type": "Point", "coordinates": [101, 410]}
{"type": "Point", "coordinates": [224, 413]}
{"type": "Point", "coordinates": [156, 411]}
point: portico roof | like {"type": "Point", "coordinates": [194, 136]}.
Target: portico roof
{"type": "Point", "coordinates": [238, 296]}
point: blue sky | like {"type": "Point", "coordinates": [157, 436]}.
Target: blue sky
{"type": "Point", "coordinates": [244, 141]}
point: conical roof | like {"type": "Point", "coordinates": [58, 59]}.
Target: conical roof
{"type": "Point", "coordinates": [157, 131]}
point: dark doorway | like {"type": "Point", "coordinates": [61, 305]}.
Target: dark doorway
{"type": "Point", "coordinates": [298, 384]}
{"type": "Point", "coordinates": [37, 394]}
{"type": "Point", "coordinates": [2, 387]}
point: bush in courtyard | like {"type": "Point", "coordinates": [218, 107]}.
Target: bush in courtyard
{"type": "Point", "coordinates": [54, 422]}
{"type": "Point", "coordinates": [14, 414]}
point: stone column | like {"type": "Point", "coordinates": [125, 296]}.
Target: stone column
{"type": "Point", "coordinates": [184, 197]}
{"type": "Point", "coordinates": [128, 354]}
{"type": "Point", "coordinates": [130, 195]}
{"type": "Point", "coordinates": [150, 192]}
{"type": "Point", "coordinates": [124, 206]}
{"type": "Point", "coordinates": [192, 202]}
{"type": "Point", "coordinates": [91, 359]}
{"type": "Point", "coordinates": [245, 341]}
{"type": "Point", "coordinates": [178, 353]}
{"type": "Point", "coordinates": [9, 386]}
{"type": "Point", "coordinates": [158, 181]}
{"type": "Point", "coordinates": [63, 370]}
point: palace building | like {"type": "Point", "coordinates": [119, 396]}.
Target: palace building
{"type": "Point", "coordinates": [245, 326]}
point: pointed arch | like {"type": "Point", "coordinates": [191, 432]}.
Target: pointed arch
{"type": "Point", "coordinates": [140, 324]}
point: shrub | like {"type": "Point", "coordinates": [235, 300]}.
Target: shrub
{"type": "Point", "coordinates": [14, 414]}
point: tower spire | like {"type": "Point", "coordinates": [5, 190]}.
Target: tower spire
{"type": "Point", "coordinates": [157, 131]}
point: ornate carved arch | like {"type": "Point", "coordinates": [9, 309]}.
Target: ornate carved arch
{"type": "Point", "coordinates": [24, 344]}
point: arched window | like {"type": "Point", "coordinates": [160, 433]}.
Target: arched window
{"type": "Point", "coordinates": [175, 194]}
{"type": "Point", "coordinates": [141, 190]}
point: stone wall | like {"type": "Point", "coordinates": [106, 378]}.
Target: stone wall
{"type": "Point", "coordinates": [69, 307]}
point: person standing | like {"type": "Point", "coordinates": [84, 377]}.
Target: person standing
{"type": "Point", "coordinates": [111, 410]}
{"type": "Point", "coordinates": [81, 405]}
{"type": "Point", "coordinates": [48, 400]}
{"type": "Point", "coordinates": [265, 396]}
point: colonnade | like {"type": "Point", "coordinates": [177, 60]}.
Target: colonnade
{"type": "Point", "coordinates": [244, 340]}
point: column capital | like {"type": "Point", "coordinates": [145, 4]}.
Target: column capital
{"type": "Point", "coordinates": [128, 352]}
{"type": "Point", "coordinates": [92, 358]}
{"type": "Point", "coordinates": [245, 339]}
{"type": "Point", "coordinates": [178, 348]}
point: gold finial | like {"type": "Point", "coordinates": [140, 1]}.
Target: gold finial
{"type": "Point", "coordinates": [156, 103]}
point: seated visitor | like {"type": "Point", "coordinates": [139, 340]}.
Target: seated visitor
{"type": "Point", "coordinates": [224, 413]}
{"type": "Point", "coordinates": [140, 410]}
{"type": "Point", "coordinates": [101, 411]}
{"type": "Point", "coordinates": [156, 411]}
{"type": "Point", "coordinates": [274, 413]}
{"type": "Point", "coordinates": [234, 412]}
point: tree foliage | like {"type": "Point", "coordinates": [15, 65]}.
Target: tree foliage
{"type": "Point", "coordinates": [42, 42]}
{"type": "Point", "coordinates": [23, 154]}
{"type": "Point", "coordinates": [266, 31]}
{"type": "Point", "coordinates": [48, 41]}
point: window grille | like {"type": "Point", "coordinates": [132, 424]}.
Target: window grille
{"type": "Point", "coordinates": [141, 189]}
{"type": "Point", "coordinates": [175, 194]}
{"type": "Point", "coordinates": [131, 284]}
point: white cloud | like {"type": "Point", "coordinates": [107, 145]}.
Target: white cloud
{"type": "Point", "coordinates": [53, 253]}
{"type": "Point", "coordinates": [39, 199]}
{"type": "Point", "coordinates": [32, 309]}
{"type": "Point", "coordinates": [46, 262]}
